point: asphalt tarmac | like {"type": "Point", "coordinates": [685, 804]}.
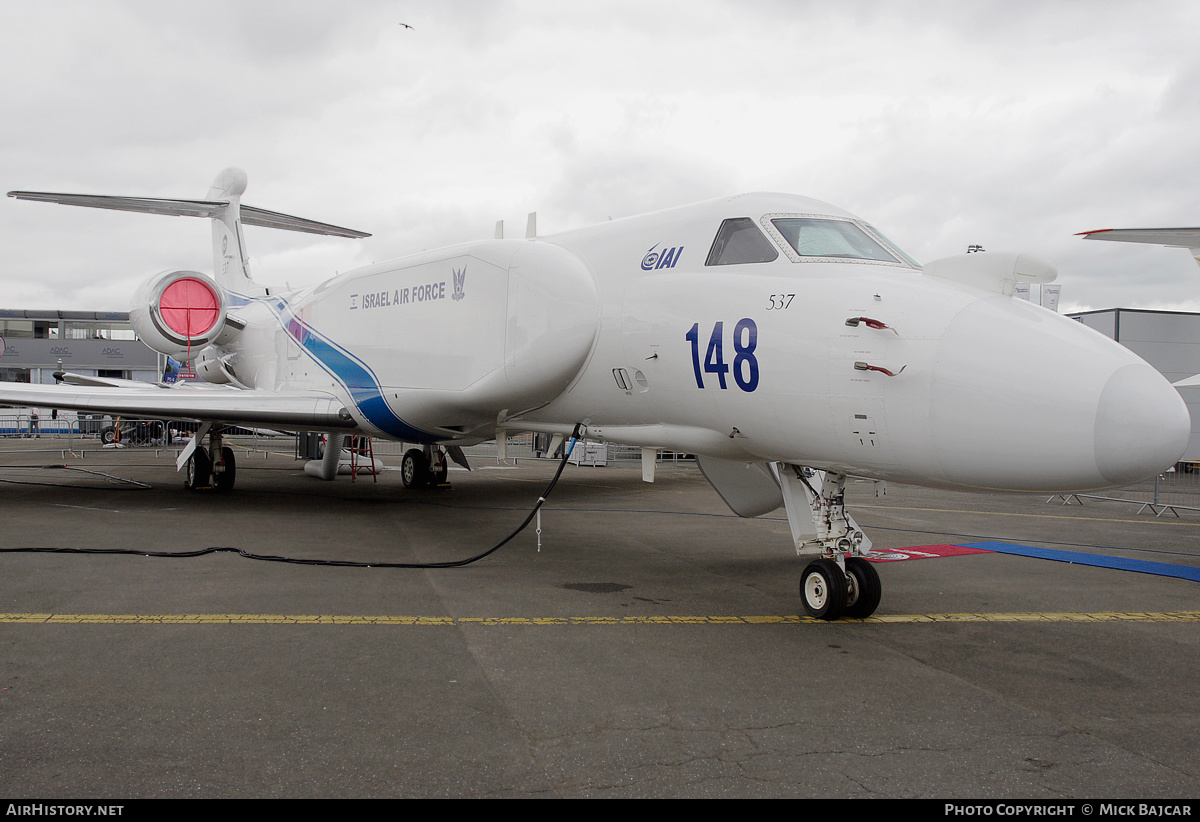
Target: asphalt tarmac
{"type": "Point", "coordinates": [653, 647]}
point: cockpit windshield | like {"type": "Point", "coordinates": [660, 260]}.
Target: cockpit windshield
{"type": "Point", "coordinates": [815, 237]}
{"type": "Point", "coordinates": [738, 241]}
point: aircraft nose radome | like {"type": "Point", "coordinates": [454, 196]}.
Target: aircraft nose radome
{"type": "Point", "coordinates": [1025, 400]}
{"type": "Point", "coordinates": [1142, 425]}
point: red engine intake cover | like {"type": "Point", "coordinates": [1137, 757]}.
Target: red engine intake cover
{"type": "Point", "coordinates": [190, 307]}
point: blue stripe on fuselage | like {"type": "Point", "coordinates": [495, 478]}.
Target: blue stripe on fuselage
{"type": "Point", "coordinates": [355, 376]}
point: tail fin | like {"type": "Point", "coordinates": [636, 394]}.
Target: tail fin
{"type": "Point", "coordinates": [231, 264]}
{"type": "Point", "coordinates": [1188, 238]}
{"type": "Point", "coordinates": [223, 206]}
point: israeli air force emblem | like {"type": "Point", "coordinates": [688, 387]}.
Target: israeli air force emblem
{"type": "Point", "coordinates": [460, 277]}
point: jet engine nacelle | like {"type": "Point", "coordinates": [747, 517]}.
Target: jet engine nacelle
{"type": "Point", "coordinates": [179, 312]}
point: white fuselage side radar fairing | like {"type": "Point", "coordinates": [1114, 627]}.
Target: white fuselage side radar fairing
{"type": "Point", "coordinates": [784, 341]}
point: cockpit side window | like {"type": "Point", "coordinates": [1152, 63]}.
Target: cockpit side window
{"type": "Point", "coordinates": [738, 241]}
{"type": "Point", "coordinates": [830, 238]}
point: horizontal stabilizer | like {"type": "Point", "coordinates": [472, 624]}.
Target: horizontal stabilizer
{"type": "Point", "coordinates": [145, 205]}
{"type": "Point", "coordinates": [1188, 382]}
{"type": "Point", "coordinates": [1177, 237]}
{"type": "Point", "coordinates": [273, 219]}
{"type": "Point", "coordinates": [190, 208]}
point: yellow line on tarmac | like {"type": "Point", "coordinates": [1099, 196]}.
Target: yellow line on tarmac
{"type": "Point", "coordinates": [337, 619]}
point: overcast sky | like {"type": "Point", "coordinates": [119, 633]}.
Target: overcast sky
{"type": "Point", "coordinates": [1010, 124]}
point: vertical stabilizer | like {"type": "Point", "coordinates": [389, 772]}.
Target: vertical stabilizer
{"type": "Point", "coordinates": [231, 263]}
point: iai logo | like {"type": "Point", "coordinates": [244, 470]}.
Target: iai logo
{"type": "Point", "coordinates": [667, 258]}
{"type": "Point", "coordinates": [460, 277]}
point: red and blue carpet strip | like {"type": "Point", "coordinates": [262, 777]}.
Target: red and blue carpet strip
{"type": "Point", "coordinates": [1140, 566]}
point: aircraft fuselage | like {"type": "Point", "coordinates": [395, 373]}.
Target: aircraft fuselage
{"type": "Point", "coordinates": [864, 367]}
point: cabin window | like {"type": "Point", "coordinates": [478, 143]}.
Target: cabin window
{"type": "Point", "coordinates": [841, 239]}
{"type": "Point", "coordinates": [739, 241]}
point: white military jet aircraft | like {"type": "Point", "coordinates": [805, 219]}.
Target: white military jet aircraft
{"type": "Point", "coordinates": [784, 341]}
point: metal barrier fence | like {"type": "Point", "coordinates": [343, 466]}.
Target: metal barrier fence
{"type": "Point", "coordinates": [1172, 491]}
{"type": "Point", "coordinates": [72, 432]}
{"type": "Point", "coordinates": [28, 425]}
{"type": "Point", "coordinates": [519, 447]}
{"type": "Point", "coordinates": [531, 446]}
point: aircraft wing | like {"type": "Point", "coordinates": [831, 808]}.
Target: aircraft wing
{"type": "Point", "coordinates": [311, 410]}
{"type": "Point", "coordinates": [1180, 237]}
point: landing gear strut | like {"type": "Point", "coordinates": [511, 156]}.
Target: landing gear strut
{"type": "Point", "coordinates": [424, 467]}
{"type": "Point", "coordinates": [839, 583]}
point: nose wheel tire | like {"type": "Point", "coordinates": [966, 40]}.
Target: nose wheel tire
{"type": "Point", "coordinates": [823, 589]}
{"type": "Point", "coordinates": [863, 588]}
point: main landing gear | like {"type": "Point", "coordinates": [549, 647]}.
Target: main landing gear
{"type": "Point", "coordinates": [213, 468]}
{"type": "Point", "coordinates": [840, 582]}
{"type": "Point", "coordinates": [424, 467]}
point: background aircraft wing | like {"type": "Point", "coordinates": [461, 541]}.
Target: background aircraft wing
{"type": "Point", "coordinates": [311, 410]}
{"type": "Point", "coordinates": [1181, 237]}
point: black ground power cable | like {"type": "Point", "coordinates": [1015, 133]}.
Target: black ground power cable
{"type": "Point", "coordinates": [568, 447]}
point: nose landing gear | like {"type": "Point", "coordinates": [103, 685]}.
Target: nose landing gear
{"type": "Point", "coordinates": [841, 582]}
